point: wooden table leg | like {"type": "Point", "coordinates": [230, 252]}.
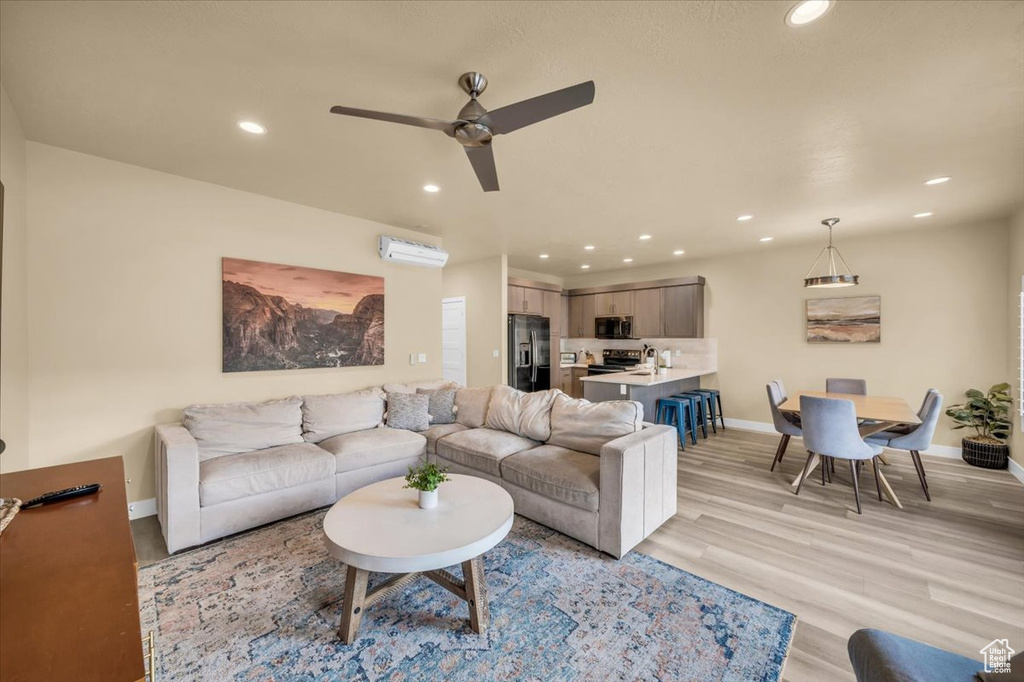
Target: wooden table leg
{"type": "Point", "coordinates": [796, 481]}
{"type": "Point", "coordinates": [354, 604]}
{"type": "Point", "coordinates": [888, 491]}
{"type": "Point", "coordinates": [476, 594]}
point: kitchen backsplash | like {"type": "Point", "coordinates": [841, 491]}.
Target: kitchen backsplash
{"type": "Point", "coordinates": [686, 353]}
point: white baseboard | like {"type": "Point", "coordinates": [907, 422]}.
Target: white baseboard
{"type": "Point", "coordinates": [1017, 471]}
{"type": "Point", "coordinates": [142, 508]}
{"type": "Point", "coordinates": [946, 451]}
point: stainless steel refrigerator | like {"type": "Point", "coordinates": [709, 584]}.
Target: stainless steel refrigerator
{"type": "Point", "coordinates": [529, 353]}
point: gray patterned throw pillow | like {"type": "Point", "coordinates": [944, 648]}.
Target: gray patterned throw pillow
{"type": "Point", "coordinates": [441, 405]}
{"type": "Point", "coordinates": [408, 411]}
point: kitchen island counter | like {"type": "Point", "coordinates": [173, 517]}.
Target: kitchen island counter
{"type": "Point", "coordinates": [645, 389]}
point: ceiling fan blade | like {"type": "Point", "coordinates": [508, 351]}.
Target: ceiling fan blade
{"type": "Point", "coordinates": [482, 159]}
{"type": "Point", "coordinates": [418, 121]}
{"type": "Point", "coordinates": [530, 111]}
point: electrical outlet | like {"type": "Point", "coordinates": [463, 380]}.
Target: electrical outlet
{"type": "Point", "coordinates": [412, 358]}
{"type": "Point", "coordinates": [622, 389]}
{"type": "Point", "coordinates": [423, 357]}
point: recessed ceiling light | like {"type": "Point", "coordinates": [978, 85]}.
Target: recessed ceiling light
{"type": "Point", "coordinates": [252, 127]}
{"type": "Point", "coordinates": [645, 237]}
{"type": "Point", "coordinates": [938, 181]}
{"type": "Point", "coordinates": [584, 267]}
{"type": "Point", "coordinates": [923, 215]}
{"type": "Point", "coordinates": [767, 239]}
{"type": "Point", "coordinates": [678, 252]}
{"type": "Point", "coordinates": [803, 13]}
{"type": "Point", "coordinates": [544, 255]}
{"type": "Point", "coordinates": [433, 189]}
{"type": "Point", "coordinates": [627, 260]}
{"type": "Point", "coordinates": [744, 217]}
{"type": "Point", "coordinates": [589, 247]}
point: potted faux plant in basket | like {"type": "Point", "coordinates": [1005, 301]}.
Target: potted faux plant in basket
{"type": "Point", "coordinates": [989, 415]}
{"type": "Point", "coordinates": [426, 478]}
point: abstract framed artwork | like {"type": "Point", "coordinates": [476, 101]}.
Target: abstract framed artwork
{"type": "Point", "coordinates": [289, 317]}
{"type": "Point", "coordinates": [856, 319]}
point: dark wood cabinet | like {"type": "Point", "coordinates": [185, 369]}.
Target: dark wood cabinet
{"type": "Point", "coordinates": [683, 311]}
{"type": "Point", "coordinates": [647, 314]}
{"type": "Point", "coordinates": [581, 317]}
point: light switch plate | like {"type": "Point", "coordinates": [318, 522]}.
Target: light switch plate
{"type": "Point", "coordinates": [412, 358]}
{"type": "Point", "coordinates": [423, 357]}
{"type": "Point", "coordinates": [622, 389]}
{"type": "Point", "coordinates": [497, 353]}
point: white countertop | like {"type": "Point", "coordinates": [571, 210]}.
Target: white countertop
{"type": "Point", "coordinates": [631, 379]}
{"type": "Point", "coordinates": [570, 365]}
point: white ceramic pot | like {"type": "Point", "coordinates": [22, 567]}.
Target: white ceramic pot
{"type": "Point", "coordinates": [428, 500]}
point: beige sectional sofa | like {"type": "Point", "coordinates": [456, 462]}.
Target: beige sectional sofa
{"type": "Point", "coordinates": [593, 471]}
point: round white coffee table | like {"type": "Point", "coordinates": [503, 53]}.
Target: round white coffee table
{"type": "Point", "coordinates": [381, 528]}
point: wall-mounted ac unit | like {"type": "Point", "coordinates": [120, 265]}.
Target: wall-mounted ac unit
{"type": "Point", "coordinates": [412, 253]}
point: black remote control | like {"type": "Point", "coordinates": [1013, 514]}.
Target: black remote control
{"type": "Point", "coordinates": [61, 495]}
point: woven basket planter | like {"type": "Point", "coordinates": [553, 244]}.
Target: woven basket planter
{"type": "Point", "coordinates": [986, 455]}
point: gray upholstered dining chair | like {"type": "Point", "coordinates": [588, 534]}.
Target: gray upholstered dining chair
{"type": "Point", "coordinates": [786, 424]}
{"type": "Point", "coordinates": [830, 430]}
{"type": "Point", "coordinates": [848, 386]}
{"type": "Point", "coordinates": [918, 438]}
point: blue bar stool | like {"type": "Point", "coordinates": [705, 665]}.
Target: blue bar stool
{"type": "Point", "coordinates": [704, 411]}
{"type": "Point", "coordinates": [674, 413]}
{"type": "Point", "coordinates": [716, 396]}
{"type": "Point", "coordinates": [693, 404]}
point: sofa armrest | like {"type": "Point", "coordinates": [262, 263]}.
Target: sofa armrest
{"type": "Point", "coordinates": [177, 486]}
{"type": "Point", "coordinates": [638, 487]}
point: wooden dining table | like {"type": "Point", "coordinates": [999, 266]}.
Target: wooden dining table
{"type": "Point", "coordinates": [876, 413]}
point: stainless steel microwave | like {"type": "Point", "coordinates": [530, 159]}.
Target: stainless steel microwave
{"type": "Point", "coordinates": [613, 327]}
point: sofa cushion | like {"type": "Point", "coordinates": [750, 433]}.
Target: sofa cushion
{"type": "Point", "coordinates": [525, 414]}
{"type": "Point", "coordinates": [230, 428]}
{"type": "Point", "coordinates": [324, 416]}
{"type": "Point", "coordinates": [442, 404]}
{"type": "Point", "coordinates": [413, 385]}
{"type": "Point", "coordinates": [482, 449]}
{"type": "Point", "coordinates": [439, 431]}
{"type": "Point", "coordinates": [556, 473]}
{"type": "Point", "coordinates": [585, 426]}
{"type": "Point", "coordinates": [231, 477]}
{"type": "Point", "coordinates": [376, 446]}
{"type": "Point", "coordinates": [471, 406]}
{"type": "Point", "coordinates": [408, 411]}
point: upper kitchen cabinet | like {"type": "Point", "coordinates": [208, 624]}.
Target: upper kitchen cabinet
{"type": "Point", "coordinates": [648, 321]}
{"type": "Point", "coordinates": [525, 300]}
{"type": "Point", "coordinates": [516, 300]}
{"type": "Point", "coordinates": [581, 317]}
{"type": "Point", "coordinates": [683, 311]}
{"type": "Point", "coordinates": [616, 303]}
{"type": "Point", "coordinates": [551, 302]}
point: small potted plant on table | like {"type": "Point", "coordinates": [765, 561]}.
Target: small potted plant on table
{"type": "Point", "coordinates": [989, 415]}
{"type": "Point", "coordinates": [426, 478]}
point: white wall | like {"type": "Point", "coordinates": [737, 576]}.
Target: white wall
{"type": "Point", "coordinates": [944, 322]}
{"type": "Point", "coordinates": [482, 283]}
{"type": "Point", "coordinates": [1015, 253]}
{"type": "Point", "coordinates": [124, 271]}
{"type": "Point", "coordinates": [14, 380]}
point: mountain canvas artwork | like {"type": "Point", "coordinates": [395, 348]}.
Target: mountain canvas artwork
{"type": "Point", "coordinates": [857, 319]}
{"type": "Point", "coordinates": [289, 317]}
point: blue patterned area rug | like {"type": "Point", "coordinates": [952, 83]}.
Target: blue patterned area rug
{"type": "Point", "coordinates": [265, 606]}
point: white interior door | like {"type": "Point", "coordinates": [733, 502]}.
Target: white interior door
{"type": "Point", "coordinates": [453, 339]}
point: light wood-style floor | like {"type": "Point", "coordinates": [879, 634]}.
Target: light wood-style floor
{"type": "Point", "coordinates": [948, 572]}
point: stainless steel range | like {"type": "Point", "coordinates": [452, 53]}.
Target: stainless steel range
{"type": "Point", "coordinates": [615, 360]}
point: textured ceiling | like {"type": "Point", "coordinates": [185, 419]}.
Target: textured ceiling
{"type": "Point", "coordinates": [704, 111]}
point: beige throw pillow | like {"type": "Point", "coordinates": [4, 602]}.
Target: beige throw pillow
{"type": "Point", "coordinates": [326, 416]}
{"type": "Point", "coordinates": [524, 414]}
{"type": "Point", "coordinates": [585, 426]}
{"type": "Point", "coordinates": [471, 406]}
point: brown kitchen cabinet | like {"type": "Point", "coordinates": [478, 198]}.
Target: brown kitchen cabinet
{"type": "Point", "coordinates": [648, 321]}
{"type": "Point", "coordinates": [552, 309]}
{"type": "Point", "coordinates": [525, 300]}
{"type": "Point", "coordinates": [581, 317]}
{"type": "Point", "coordinates": [683, 311]}
{"type": "Point", "coordinates": [515, 299]}
{"type": "Point", "coordinates": [565, 384]}
{"type": "Point", "coordinates": [616, 303]}
{"type": "Point", "coordinates": [576, 388]}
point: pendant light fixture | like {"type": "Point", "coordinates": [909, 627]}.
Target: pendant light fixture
{"type": "Point", "coordinates": [834, 278]}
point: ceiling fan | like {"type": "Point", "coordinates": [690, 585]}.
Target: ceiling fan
{"type": "Point", "coordinates": [475, 126]}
